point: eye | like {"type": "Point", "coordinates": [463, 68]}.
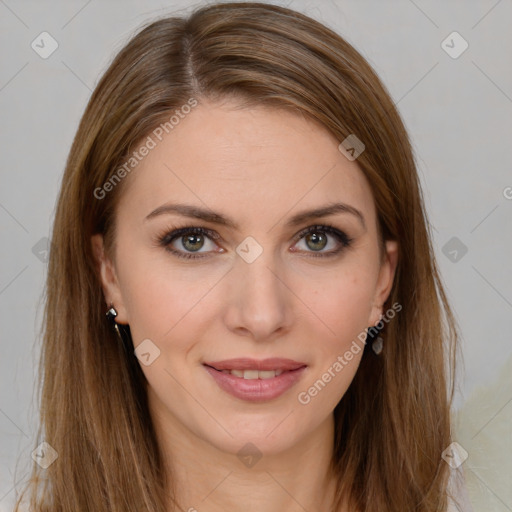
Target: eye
{"type": "Point", "coordinates": [317, 238]}
{"type": "Point", "coordinates": [188, 242]}
{"type": "Point", "coordinates": [196, 242]}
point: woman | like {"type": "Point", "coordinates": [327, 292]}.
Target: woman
{"type": "Point", "coordinates": [243, 309]}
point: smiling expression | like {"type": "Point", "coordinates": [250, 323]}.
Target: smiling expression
{"type": "Point", "coordinates": [245, 234]}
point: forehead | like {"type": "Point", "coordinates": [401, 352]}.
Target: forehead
{"type": "Point", "coordinates": [254, 163]}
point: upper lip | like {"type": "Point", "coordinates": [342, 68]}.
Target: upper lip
{"type": "Point", "coordinates": [244, 363]}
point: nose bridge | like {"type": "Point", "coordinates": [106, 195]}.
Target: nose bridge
{"type": "Point", "coordinates": [260, 300]}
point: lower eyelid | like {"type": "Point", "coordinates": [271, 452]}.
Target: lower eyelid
{"type": "Point", "coordinates": [175, 234]}
{"type": "Point", "coordinates": [206, 237]}
{"type": "Point", "coordinates": [340, 236]}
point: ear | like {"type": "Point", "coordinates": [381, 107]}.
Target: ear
{"type": "Point", "coordinates": [385, 280]}
{"type": "Point", "coordinates": [108, 278]}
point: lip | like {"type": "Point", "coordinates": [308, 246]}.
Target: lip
{"type": "Point", "coordinates": [245, 363]}
{"type": "Point", "coordinates": [256, 390]}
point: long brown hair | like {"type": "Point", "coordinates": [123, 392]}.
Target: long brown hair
{"type": "Point", "coordinates": [393, 423]}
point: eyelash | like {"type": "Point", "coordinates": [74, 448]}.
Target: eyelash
{"type": "Point", "coordinates": [169, 235]}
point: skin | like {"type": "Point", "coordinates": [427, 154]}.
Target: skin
{"type": "Point", "coordinates": [258, 167]}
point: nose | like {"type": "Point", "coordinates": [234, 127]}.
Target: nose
{"type": "Point", "coordinates": [260, 302]}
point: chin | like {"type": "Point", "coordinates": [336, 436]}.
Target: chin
{"type": "Point", "coordinates": [269, 434]}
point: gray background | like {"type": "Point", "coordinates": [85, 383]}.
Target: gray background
{"type": "Point", "coordinates": [458, 112]}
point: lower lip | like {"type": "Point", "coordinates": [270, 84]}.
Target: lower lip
{"type": "Point", "coordinates": [256, 390]}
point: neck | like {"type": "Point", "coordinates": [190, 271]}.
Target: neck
{"type": "Point", "coordinates": [207, 478]}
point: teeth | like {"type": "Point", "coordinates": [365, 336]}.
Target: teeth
{"type": "Point", "coordinates": [254, 374]}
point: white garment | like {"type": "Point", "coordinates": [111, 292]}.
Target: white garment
{"type": "Point", "coordinates": [458, 500]}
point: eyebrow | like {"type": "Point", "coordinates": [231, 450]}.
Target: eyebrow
{"type": "Point", "coordinates": [197, 212]}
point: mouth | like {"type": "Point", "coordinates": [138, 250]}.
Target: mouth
{"type": "Point", "coordinates": [247, 368]}
{"type": "Point", "coordinates": [256, 380]}
{"type": "Point", "coordinates": [252, 374]}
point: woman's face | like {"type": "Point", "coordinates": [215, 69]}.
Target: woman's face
{"type": "Point", "coordinates": [249, 283]}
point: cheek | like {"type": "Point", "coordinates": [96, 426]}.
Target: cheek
{"type": "Point", "coordinates": [340, 304]}
{"type": "Point", "coordinates": [159, 302]}
{"type": "Point", "coordinates": [158, 293]}
{"type": "Point", "coordinates": [162, 296]}
{"type": "Point", "coordinates": [342, 307]}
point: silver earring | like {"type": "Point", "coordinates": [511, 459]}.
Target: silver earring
{"type": "Point", "coordinates": [111, 316]}
{"type": "Point", "coordinates": [123, 331]}
{"type": "Point", "coordinates": [377, 345]}
{"type": "Point", "coordinates": [378, 341]}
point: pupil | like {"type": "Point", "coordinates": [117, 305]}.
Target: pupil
{"type": "Point", "coordinates": [318, 240]}
{"type": "Point", "coordinates": [194, 240]}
